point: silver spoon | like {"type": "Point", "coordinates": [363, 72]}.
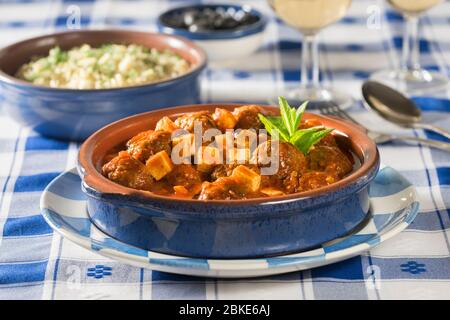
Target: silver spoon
{"type": "Point", "coordinates": [397, 108]}
{"type": "Point", "coordinates": [333, 110]}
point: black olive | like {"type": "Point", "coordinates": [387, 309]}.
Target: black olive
{"type": "Point", "coordinates": [207, 19]}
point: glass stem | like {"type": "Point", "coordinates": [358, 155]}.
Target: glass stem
{"type": "Point", "coordinates": [310, 62]}
{"type": "Point", "coordinates": [411, 49]}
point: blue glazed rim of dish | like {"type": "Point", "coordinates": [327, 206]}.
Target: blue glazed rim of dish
{"type": "Point", "coordinates": [23, 84]}
{"type": "Point", "coordinates": [254, 28]}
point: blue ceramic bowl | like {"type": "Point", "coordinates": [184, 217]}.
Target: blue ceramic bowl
{"type": "Point", "coordinates": [224, 229]}
{"type": "Point", "coordinates": [219, 44]}
{"type": "Point", "coordinates": [76, 114]}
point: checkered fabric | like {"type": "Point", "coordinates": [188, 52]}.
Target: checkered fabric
{"type": "Point", "coordinates": [36, 263]}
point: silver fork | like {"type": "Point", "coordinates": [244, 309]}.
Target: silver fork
{"type": "Point", "coordinates": [331, 108]}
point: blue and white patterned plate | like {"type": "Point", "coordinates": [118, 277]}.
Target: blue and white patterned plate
{"type": "Point", "coordinates": [394, 206]}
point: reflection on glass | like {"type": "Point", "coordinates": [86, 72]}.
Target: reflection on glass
{"type": "Point", "coordinates": [410, 77]}
{"type": "Point", "coordinates": [309, 17]}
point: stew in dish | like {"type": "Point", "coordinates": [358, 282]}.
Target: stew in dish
{"type": "Point", "coordinates": [294, 156]}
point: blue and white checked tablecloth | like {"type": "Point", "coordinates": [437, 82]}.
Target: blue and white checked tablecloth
{"type": "Point", "coordinates": [36, 263]}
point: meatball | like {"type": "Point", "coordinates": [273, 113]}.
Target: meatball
{"type": "Point", "coordinates": [222, 170]}
{"type": "Point", "coordinates": [147, 143]}
{"type": "Point", "coordinates": [224, 119]}
{"type": "Point", "coordinates": [127, 171]}
{"type": "Point", "coordinates": [315, 179]}
{"type": "Point", "coordinates": [247, 117]}
{"type": "Point", "coordinates": [225, 170]}
{"type": "Point", "coordinates": [290, 159]}
{"type": "Point", "coordinates": [271, 181]}
{"type": "Point", "coordinates": [328, 140]}
{"type": "Point", "coordinates": [329, 159]}
{"type": "Point", "coordinates": [291, 183]}
{"type": "Point", "coordinates": [226, 188]}
{"type": "Point", "coordinates": [187, 121]}
{"type": "Point", "coordinates": [184, 175]}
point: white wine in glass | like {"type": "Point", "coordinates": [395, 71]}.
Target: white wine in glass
{"type": "Point", "coordinates": [309, 17]}
{"type": "Point", "coordinates": [413, 7]}
{"type": "Point", "coordinates": [410, 77]}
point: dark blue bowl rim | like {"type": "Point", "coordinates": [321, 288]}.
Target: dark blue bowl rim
{"type": "Point", "coordinates": [8, 79]}
{"type": "Point", "coordinates": [254, 28]}
{"type": "Point", "coordinates": [98, 186]}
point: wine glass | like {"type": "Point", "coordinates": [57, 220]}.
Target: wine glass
{"type": "Point", "coordinates": [309, 17]}
{"type": "Point", "coordinates": [410, 77]}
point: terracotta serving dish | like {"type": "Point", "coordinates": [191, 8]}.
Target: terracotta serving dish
{"type": "Point", "coordinates": [225, 229]}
